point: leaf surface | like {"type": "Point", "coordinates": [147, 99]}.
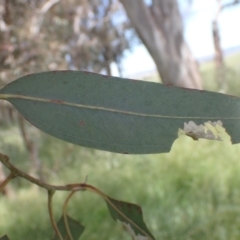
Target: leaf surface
{"type": "Point", "coordinates": [75, 228]}
{"type": "Point", "coordinates": [120, 115]}
{"type": "Point", "coordinates": [5, 237]}
{"type": "Point", "coordinates": [131, 216]}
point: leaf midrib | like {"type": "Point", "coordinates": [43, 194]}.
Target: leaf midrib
{"type": "Point", "coordinates": [78, 105]}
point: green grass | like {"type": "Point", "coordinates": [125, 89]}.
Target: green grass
{"type": "Point", "coordinates": [191, 193]}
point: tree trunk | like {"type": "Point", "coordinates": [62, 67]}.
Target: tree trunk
{"type": "Point", "coordinates": [161, 31]}
{"type": "Point", "coordinates": [219, 58]}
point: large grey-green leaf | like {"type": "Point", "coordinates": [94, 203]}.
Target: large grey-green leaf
{"type": "Point", "coordinates": [120, 115]}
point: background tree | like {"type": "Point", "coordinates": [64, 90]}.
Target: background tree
{"type": "Point", "coordinates": [159, 26]}
{"type": "Point", "coordinates": [219, 55]}
{"type": "Point", "coordinates": [99, 36]}
{"type": "Point", "coordinates": [51, 34]}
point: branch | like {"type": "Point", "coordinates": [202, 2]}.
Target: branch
{"type": "Point", "coordinates": [230, 4]}
{"type": "Point", "coordinates": [69, 187]}
{"type": "Point", "coordinates": [39, 16]}
{"type": "Point", "coordinates": [219, 9]}
{"type": "Point", "coordinates": [15, 172]}
{"type": "Point", "coordinates": [7, 180]}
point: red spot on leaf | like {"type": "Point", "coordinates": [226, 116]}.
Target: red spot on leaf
{"type": "Point", "coordinates": [139, 210]}
{"type": "Point", "coordinates": [129, 206]}
{"type": "Point", "coordinates": [56, 101]}
{"type": "Point", "coordinates": [82, 123]}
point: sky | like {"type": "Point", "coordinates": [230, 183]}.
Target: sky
{"type": "Point", "coordinates": [197, 31]}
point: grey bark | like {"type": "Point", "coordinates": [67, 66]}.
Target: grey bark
{"type": "Point", "coordinates": [219, 55]}
{"type": "Point", "coordinates": [160, 28]}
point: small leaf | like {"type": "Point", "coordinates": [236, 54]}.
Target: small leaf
{"type": "Point", "coordinates": [75, 227]}
{"type": "Point", "coordinates": [5, 237]}
{"type": "Point", "coordinates": [131, 216]}
{"type": "Point", "coordinates": [121, 115]}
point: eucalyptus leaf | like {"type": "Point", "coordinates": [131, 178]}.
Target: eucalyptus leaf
{"type": "Point", "coordinates": [121, 115]}
{"type": "Point", "coordinates": [5, 237]}
{"type": "Point", "coordinates": [130, 215]}
{"type": "Point", "coordinates": [75, 228]}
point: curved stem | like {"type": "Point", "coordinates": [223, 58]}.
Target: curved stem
{"type": "Point", "coordinates": [65, 215]}
{"type": "Point", "coordinates": [50, 196]}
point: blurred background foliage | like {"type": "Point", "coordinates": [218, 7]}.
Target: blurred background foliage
{"type": "Point", "coordinates": [40, 35]}
{"type": "Point", "coordinates": [190, 193]}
